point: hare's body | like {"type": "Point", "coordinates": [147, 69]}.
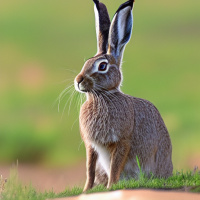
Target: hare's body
{"type": "Point", "coordinates": [115, 127]}
{"type": "Point", "coordinates": [136, 120]}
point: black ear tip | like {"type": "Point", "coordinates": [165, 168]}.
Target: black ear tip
{"type": "Point", "coordinates": [126, 4]}
{"type": "Point", "coordinates": [96, 2]}
{"type": "Point", "coordinates": [130, 3]}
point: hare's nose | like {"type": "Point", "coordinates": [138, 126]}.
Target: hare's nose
{"type": "Point", "coordinates": [79, 79]}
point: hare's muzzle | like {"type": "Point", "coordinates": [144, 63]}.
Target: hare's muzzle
{"type": "Point", "coordinates": [83, 84]}
{"type": "Point", "coordinates": [79, 79]}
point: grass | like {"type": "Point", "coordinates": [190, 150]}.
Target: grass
{"type": "Point", "coordinates": [188, 181]}
{"type": "Point", "coordinates": [43, 41]}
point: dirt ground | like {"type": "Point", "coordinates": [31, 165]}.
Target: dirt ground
{"type": "Point", "coordinates": [137, 195]}
{"type": "Point", "coordinates": [44, 179]}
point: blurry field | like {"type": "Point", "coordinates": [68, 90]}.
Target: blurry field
{"type": "Point", "coordinates": [43, 45]}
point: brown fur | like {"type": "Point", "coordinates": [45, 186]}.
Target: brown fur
{"type": "Point", "coordinates": [141, 132]}
{"type": "Point", "coordinates": [116, 128]}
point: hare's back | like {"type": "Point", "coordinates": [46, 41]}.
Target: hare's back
{"type": "Point", "coordinates": [149, 127]}
{"type": "Point", "coordinates": [150, 141]}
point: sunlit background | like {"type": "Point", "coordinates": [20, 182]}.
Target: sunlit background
{"type": "Point", "coordinates": [43, 45]}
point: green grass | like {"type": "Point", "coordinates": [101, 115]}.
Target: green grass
{"type": "Point", "coordinates": [42, 40]}
{"type": "Point", "coordinates": [189, 181]}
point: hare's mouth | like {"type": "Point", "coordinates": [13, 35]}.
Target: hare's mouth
{"type": "Point", "coordinates": [79, 87]}
{"type": "Point", "coordinates": [86, 85]}
{"type": "Point", "coordinates": [82, 88]}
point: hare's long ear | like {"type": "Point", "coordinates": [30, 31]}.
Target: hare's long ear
{"type": "Point", "coordinates": [120, 30]}
{"type": "Point", "coordinates": [102, 20]}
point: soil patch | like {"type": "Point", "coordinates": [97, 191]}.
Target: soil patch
{"type": "Point", "coordinates": [137, 195]}
{"type": "Point", "coordinates": [45, 179]}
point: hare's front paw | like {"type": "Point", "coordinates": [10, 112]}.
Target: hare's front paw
{"type": "Point", "coordinates": [84, 191]}
{"type": "Point", "coordinates": [110, 183]}
{"type": "Point", "coordinates": [108, 186]}
{"type": "Point", "coordinates": [86, 188]}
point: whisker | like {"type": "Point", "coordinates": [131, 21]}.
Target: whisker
{"type": "Point", "coordinates": [60, 95]}
{"type": "Point", "coordinates": [114, 96]}
{"type": "Point", "coordinates": [94, 100]}
{"type": "Point", "coordinates": [109, 100]}
{"type": "Point", "coordinates": [104, 106]}
{"type": "Point", "coordinates": [69, 70]}
{"type": "Point", "coordinates": [82, 99]}
{"type": "Point", "coordinates": [64, 81]}
{"type": "Point", "coordinates": [66, 104]}
{"type": "Point", "coordinates": [74, 92]}
{"type": "Point", "coordinates": [77, 102]}
{"type": "Point", "coordinates": [65, 93]}
{"type": "Point", "coordinates": [80, 145]}
{"type": "Point", "coordinates": [74, 123]}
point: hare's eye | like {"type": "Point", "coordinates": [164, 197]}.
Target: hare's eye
{"type": "Point", "coordinates": [103, 66]}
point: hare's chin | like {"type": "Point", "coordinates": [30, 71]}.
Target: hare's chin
{"type": "Point", "coordinates": [81, 91]}
{"type": "Point", "coordinates": [82, 88]}
{"type": "Point", "coordinates": [77, 88]}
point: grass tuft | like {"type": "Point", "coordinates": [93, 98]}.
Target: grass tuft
{"type": "Point", "coordinates": [179, 180]}
{"type": "Point", "coordinates": [13, 189]}
{"type": "Point", "coordinates": [188, 181]}
{"type": "Point", "coordinates": [2, 184]}
{"type": "Point", "coordinates": [70, 192]}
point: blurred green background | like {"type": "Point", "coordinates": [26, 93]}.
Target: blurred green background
{"type": "Point", "coordinates": [43, 45]}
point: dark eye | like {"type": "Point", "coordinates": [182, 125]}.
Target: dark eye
{"type": "Point", "coordinates": [103, 66]}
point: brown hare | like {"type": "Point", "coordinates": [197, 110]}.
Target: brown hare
{"type": "Point", "coordinates": [115, 127]}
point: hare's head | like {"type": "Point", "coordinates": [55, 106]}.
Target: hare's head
{"type": "Point", "coordinates": [102, 72]}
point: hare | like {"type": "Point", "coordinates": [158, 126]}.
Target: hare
{"type": "Point", "coordinates": [115, 127]}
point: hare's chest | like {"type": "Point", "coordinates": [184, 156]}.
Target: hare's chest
{"type": "Point", "coordinates": [103, 157]}
{"type": "Point", "coordinates": [104, 124]}
{"type": "Point", "coordinates": [99, 126]}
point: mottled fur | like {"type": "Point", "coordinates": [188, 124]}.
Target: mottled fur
{"type": "Point", "coordinates": [116, 127]}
